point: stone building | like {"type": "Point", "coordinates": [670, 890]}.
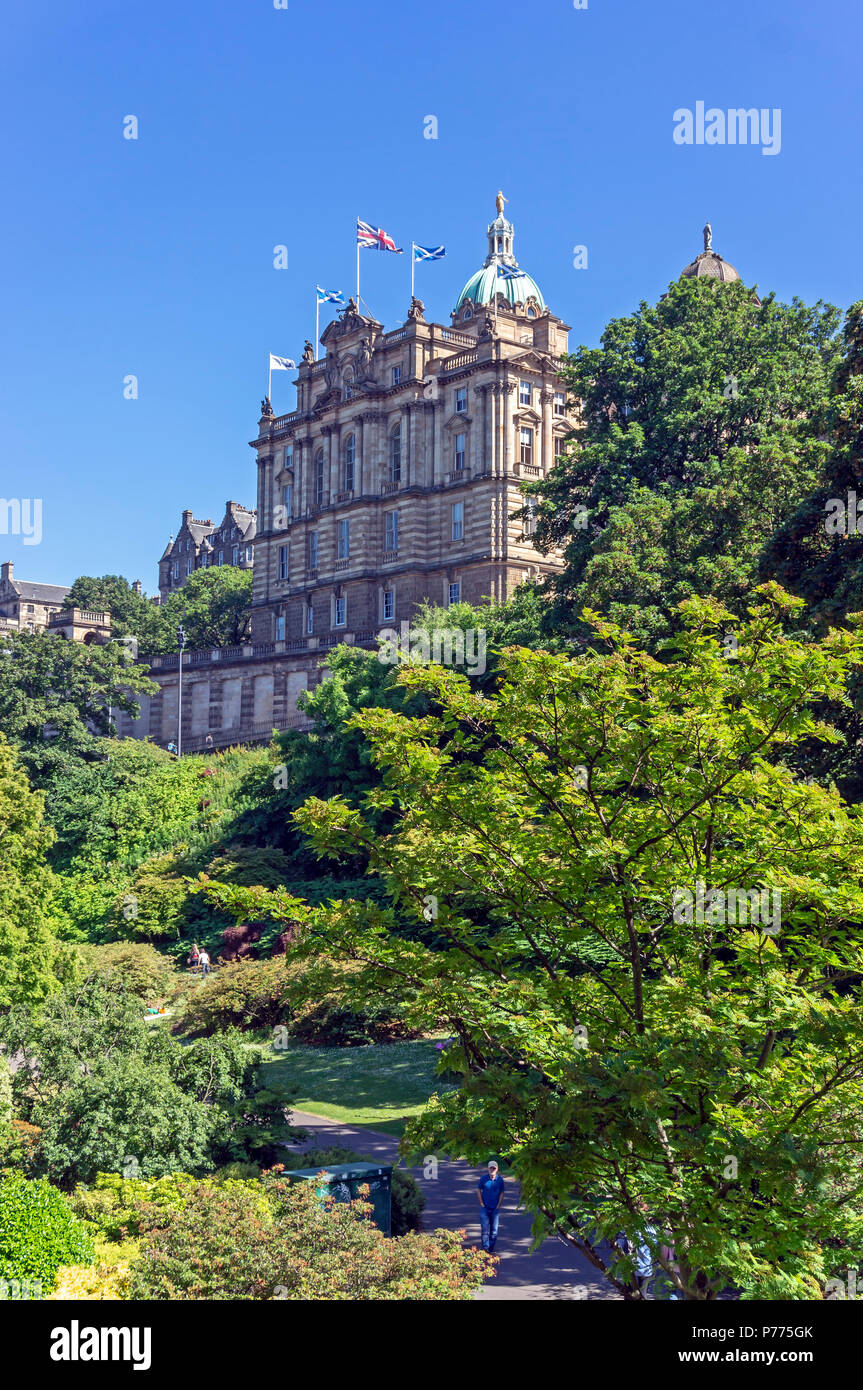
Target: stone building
{"type": "Point", "coordinates": [396, 479]}
{"type": "Point", "coordinates": [202, 543]}
{"type": "Point", "coordinates": [25, 605]}
{"type": "Point", "coordinates": [397, 476]}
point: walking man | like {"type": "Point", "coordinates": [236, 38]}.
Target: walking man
{"type": "Point", "coordinates": [204, 962]}
{"type": "Point", "coordinates": [490, 1196]}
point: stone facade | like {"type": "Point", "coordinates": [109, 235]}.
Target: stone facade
{"type": "Point", "coordinates": [25, 605]}
{"type": "Point", "coordinates": [395, 480]}
{"type": "Point", "coordinates": [202, 543]}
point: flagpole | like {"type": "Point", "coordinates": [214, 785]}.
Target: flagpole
{"type": "Point", "coordinates": [358, 266]}
{"type": "Point", "coordinates": [317, 320]}
{"type": "Point", "coordinates": [270, 380]}
{"type": "Point", "coordinates": [413, 244]}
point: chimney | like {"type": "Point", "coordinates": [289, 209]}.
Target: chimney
{"type": "Point", "coordinates": [187, 516]}
{"type": "Point", "coordinates": [6, 572]}
{"type": "Point", "coordinates": [136, 586]}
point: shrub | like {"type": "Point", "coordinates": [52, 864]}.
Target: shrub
{"type": "Point", "coordinates": [332, 1023]}
{"type": "Point", "coordinates": [96, 1281]}
{"type": "Point", "coordinates": [39, 1232]}
{"type": "Point", "coordinates": [224, 1245]}
{"type": "Point", "coordinates": [245, 994]}
{"type": "Point", "coordinates": [240, 941]}
{"type": "Point", "coordinates": [144, 970]}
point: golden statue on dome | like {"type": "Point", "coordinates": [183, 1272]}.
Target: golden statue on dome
{"type": "Point", "coordinates": [499, 202]}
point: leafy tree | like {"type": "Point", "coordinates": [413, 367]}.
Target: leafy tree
{"type": "Point", "coordinates": [55, 698]}
{"type": "Point", "coordinates": [214, 606]}
{"type": "Point", "coordinates": [223, 1245]}
{"type": "Point", "coordinates": [28, 951]}
{"type": "Point", "coordinates": [703, 422]}
{"type": "Point", "coordinates": [131, 613]}
{"type": "Point", "coordinates": [112, 1093]}
{"type": "Point", "coordinates": [703, 1088]}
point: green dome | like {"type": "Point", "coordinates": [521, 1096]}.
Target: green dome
{"type": "Point", "coordinates": [480, 288]}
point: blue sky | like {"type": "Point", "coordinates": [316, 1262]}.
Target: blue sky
{"type": "Point", "coordinates": [260, 127]}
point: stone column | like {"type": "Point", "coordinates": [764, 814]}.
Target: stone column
{"type": "Point", "coordinates": [547, 398]}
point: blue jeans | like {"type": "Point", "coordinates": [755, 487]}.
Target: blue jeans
{"type": "Point", "coordinates": [489, 1222]}
{"type": "Point", "coordinates": [205, 970]}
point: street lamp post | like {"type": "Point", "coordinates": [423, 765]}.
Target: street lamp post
{"type": "Point", "coordinates": [181, 642]}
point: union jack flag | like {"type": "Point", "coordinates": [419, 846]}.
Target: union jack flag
{"type": "Point", "coordinates": [376, 238]}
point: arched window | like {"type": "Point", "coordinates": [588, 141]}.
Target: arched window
{"type": "Point", "coordinates": [531, 312]}
{"type": "Point", "coordinates": [347, 386]}
{"type": "Point", "coordinates": [468, 312]}
{"type": "Point", "coordinates": [396, 455]}
{"type": "Point", "coordinates": [350, 459]}
{"type": "Point", "coordinates": [319, 478]}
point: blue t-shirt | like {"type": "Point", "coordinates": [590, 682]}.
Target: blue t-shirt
{"type": "Point", "coordinates": [490, 1190]}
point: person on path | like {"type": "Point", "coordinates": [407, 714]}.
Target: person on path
{"type": "Point", "coordinates": [490, 1195]}
{"type": "Point", "coordinates": [204, 962]}
{"type": "Point", "coordinates": [194, 956]}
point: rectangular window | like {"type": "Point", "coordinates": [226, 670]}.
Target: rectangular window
{"type": "Point", "coordinates": [221, 560]}
{"type": "Point", "coordinates": [461, 400]}
{"type": "Point", "coordinates": [454, 594]}
{"type": "Point", "coordinates": [310, 620]}
{"type": "Point", "coordinates": [319, 479]}
{"type": "Point", "coordinates": [391, 533]}
{"type": "Point", "coordinates": [288, 499]}
{"type": "Point", "coordinates": [289, 456]}
{"type": "Point", "coordinates": [235, 555]}
{"type": "Point", "coordinates": [389, 605]}
{"type": "Point", "coordinates": [397, 376]}
{"type": "Point", "coordinates": [457, 521]}
{"type": "Point", "coordinates": [176, 569]}
{"type": "Point", "coordinates": [526, 438]}
{"type": "Point", "coordinates": [559, 403]}
{"type": "Point", "coordinates": [313, 550]}
{"type": "Point", "coordinates": [280, 627]}
{"type": "Point", "coordinates": [190, 565]}
{"type": "Point", "coordinates": [396, 455]}
{"type": "Point", "coordinates": [284, 564]}
{"type": "Point", "coordinates": [340, 612]}
{"type": "Point", "coordinates": [344, 540]}
{"type": "Point", "coordinates": [205, 559]}
{"type": "Point", "coordinates": [460, 446]}
{"type": "Point", "coordinates": [248, 554]}
{"type": "Point", "coordinates": [525, 394]}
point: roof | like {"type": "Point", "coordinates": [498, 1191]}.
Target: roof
{"type": "Point", "coordinates": [712, 265]}
{"type": "Point", "coordinates": [480, 288]}
{"type": "Point", "coordinates": [42, 593]}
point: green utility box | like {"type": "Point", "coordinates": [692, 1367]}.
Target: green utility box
{"type": "Point", "coordinates": [343, 1184]}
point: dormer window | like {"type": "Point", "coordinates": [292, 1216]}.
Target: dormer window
{"type": "Point", "coordinates": [468, 312]}
{"type": "Point", "coordinates": [531, 312]}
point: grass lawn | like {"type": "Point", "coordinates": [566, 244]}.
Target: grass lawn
{"type": "Point", "coordinates": [379, 1086]}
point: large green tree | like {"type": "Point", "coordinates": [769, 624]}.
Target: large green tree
{"type": "Point", "coordinates": [698, 1084]}
{"type": "Point", "coordinates": [28, 950]}
{"type": "Point", "coordinates": [702, 428]}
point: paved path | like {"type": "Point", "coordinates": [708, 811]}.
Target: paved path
{"type": "Point", "coordinates": [554, 1271]}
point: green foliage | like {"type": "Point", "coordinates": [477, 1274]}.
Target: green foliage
{"type": "Point", "coordinates": [39, 1232]}
{"type": "Point", "coordinates": [112, 1206]}
{"type": "Point", "coordinates": [28, 951]}
{"type": "Point", "coordinates": [55, 697]}
{"type": "Point", "coordinates": [111, 1092]}
{"type": "Point", "coordinates": [144, 971]}
{"type": "Point", "coordinates": [224, 1246]}
{"type": "Point", "coordinates": [247, 994]}
{"type": "Point", "coordinates": [131, 613]}
{"type": "Point", "coordinates": [608, 787]}
{"type": "Point", "coordinates": [703, 427]}
{"type": "Point", "coordinates": [212, 605]}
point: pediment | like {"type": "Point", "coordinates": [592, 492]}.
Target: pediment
{"type": "Point", "coordinates": [457, 421]}
{"type": "Point", "coordinates": [539, 361]}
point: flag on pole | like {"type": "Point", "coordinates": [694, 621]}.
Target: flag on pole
{"type": "Point", "coordinates": [281, 364]}
{"type": "Point", "coordinates": [375, 238]}
{"type": "Point", "coordinates": [329, 296]}
{"type": "Point", "coordinates": [509, 272]}
{"type": "Point", "coordinates": [428, 253]}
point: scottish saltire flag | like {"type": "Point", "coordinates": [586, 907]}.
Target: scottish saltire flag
{"type": "Point", "coordinates": [376, 238]}
{"type": "Point", "coordinates": [329, 296]}
{"type": "Point", "coordinates": [508, 272]}
{"type": "Point", "coordinates": [281, 364]}
{"type": "Point", "coordinates": [428, 253]}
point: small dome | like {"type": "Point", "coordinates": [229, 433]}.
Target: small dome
{"type": "Point", "coordinates": [481, 287]}
{"type": "Point", "coordinates": [710, 264]}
